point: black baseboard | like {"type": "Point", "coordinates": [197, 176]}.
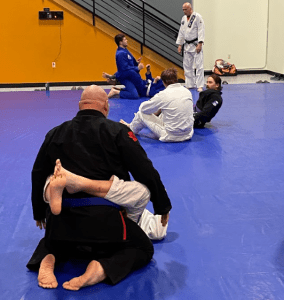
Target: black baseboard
{"type": "Point", "coordinates": [85, 83]}
{"type": "Point", "coordinates": [51, 84]}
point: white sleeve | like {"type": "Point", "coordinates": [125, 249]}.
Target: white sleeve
{"type": "Point", "coordinates": [201, 29]}
{"type": "Point", "coordinates": [180, 38]}
{"type": "Point", "coordinates": [154, 104]}
{"type": "Point", "coordinates": [152, 226]}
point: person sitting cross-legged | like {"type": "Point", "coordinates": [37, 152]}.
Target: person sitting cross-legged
{"type": "Point", "coordinates": [169, 114]}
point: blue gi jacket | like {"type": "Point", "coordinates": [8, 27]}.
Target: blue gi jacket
{"type": "Point", "coordinates": [125, 63]}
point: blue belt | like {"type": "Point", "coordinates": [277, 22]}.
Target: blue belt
{"type": "Point", "coordinates": [77, 202]}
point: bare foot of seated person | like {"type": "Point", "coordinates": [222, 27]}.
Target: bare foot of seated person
{"type": "Point", "coordinates": [108, 76]}
{"type": "Point", "coordinates": [111, 79]}
{"type": "Point", "coordinates": [73, 183]}
{"type": "Point", "coordinates": [114, 91]}
{"type": "Point", "coordinates": [60, 180]}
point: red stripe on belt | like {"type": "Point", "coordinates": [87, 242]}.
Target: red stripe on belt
{"type": "Point", "coordinates": [124, 226]}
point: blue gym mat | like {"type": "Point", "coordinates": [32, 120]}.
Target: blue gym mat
{"type": "Point", "coordinates": [226, 232]}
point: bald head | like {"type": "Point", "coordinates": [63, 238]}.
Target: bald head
{"type": "Point", "coordinates": [94, 97]}
{"type": "Point", "coordinates": [187, 9]}
{"type": "Point", "coordinates": [95, 93]}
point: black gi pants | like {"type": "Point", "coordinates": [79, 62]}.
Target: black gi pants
{"type": "Point", "coordinates": [118, 257]}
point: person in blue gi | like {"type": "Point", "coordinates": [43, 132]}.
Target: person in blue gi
{"type": "Point", "coordinates": [128, 72]}
{"type": "Point", "coordinates": [151, 86]}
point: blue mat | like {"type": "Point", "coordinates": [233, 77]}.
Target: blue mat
{"type": "Point", "coordinates": [226, 231]}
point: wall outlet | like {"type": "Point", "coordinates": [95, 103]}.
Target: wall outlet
{"type": "Point", "coordinates": [53, 64]}
{"type": "Point", "coordinates": [229, 56]}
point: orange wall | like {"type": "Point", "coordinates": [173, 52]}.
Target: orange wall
{"type": "Point", "coordinates": [29, 46]}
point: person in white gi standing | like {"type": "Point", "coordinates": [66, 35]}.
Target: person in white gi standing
{"type": "Point", "coordinates": [169, 114]}
{"type": "Point", "coordinates": [190, 40]}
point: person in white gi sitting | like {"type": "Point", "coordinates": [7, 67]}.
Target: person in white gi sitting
{"type": "Point", "coordinates": [169, 114]}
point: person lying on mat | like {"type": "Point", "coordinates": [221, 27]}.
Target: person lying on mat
{"type": "Point", "coordinates": [88, 227]}
{"type": "Point", "coordinates": [152, 86]}
{"type": "Point", "coordinates": [131, 195]}
{"type": "Point", "coordinates": [209, 102]}
{"type": "Point", "coordinates": [169, 114]}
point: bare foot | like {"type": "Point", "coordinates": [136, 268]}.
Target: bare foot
{"type": "Point", "coordinates": [116, 88]}
{"type": "Point", "coordinates": [93, 275]}
{"type": "Point", "coordinates": [56, 187]}
{"type": "Point", "coordinates": [113, 92]}
{"type": "Point", "coordinates": [123, 122]}
{"type": "Point", "coordinates": [107, 76]}
{"type": "Point", "coordinates": [46, 277]}
{"type": "Point", "coordinates": [73, 182]}
{"type": "Point", "coordinates": [111, 81]}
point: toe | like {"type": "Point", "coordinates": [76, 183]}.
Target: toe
{"type": "Point", "coordinates": [66, 285]}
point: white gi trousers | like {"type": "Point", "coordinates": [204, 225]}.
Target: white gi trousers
{"type": "Point", "coordinates": [156, 125]}
{"type": "Point", "coordinates": [134, 197]}
{"type": "Point", "coordinates": [189, 59]}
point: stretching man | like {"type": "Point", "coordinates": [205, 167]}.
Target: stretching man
{"type": "Point", "coordinates": [169, 114]}
{"type": "Point", "coordinates": [128, 69]}
{"type": "Point", "coordinates": [131, 195]}
{"type": "Point", "coordinates": [151, 86]}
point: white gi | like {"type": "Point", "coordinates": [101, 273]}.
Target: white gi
{"type": "Point", "coordinates": [175, 123]}
{"type": "Point", "coordinates": [190, 30]}
{"type": "Point", "coordinates": [134, 197]}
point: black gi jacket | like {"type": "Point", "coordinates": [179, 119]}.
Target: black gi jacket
{"type": "Point", "coordinates": [97, 148]}
{"type": "Point", "coordinates": [209, 103]}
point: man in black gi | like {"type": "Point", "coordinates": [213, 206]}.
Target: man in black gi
{"type": "Point", "coordinates": [92, 146]}
{"type": "Point", "coordinates": [209, 102]}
